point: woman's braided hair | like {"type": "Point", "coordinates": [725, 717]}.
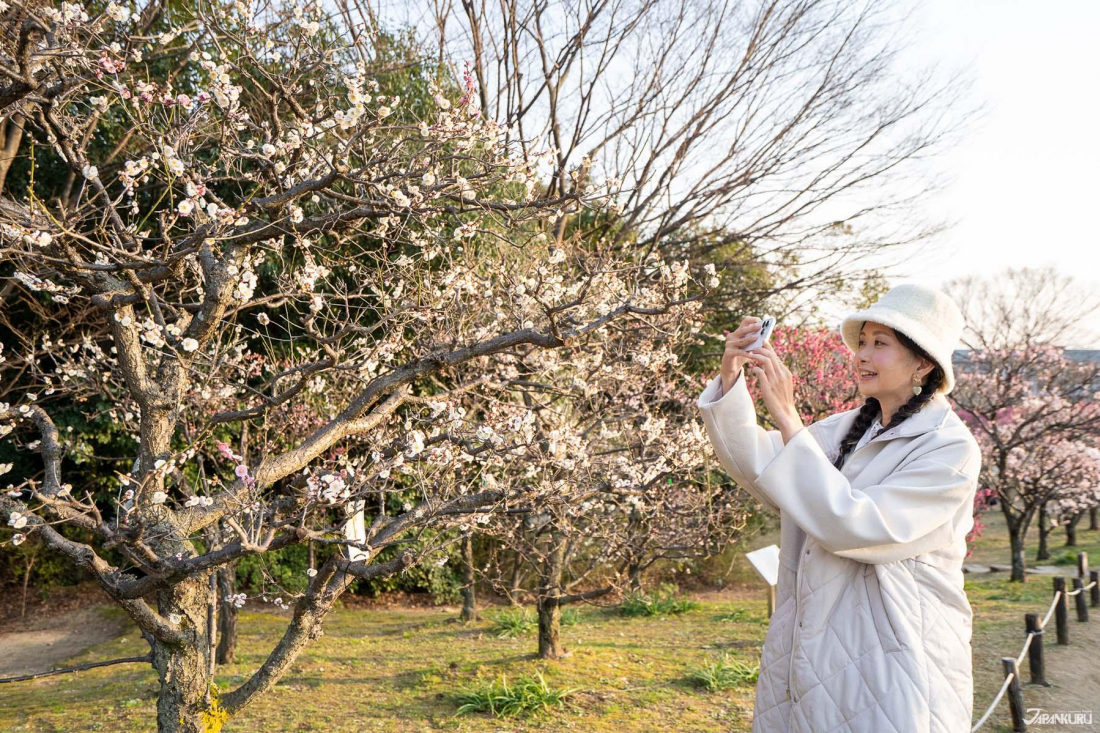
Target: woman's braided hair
{"type": "Point", "coordinates": [871, 408]}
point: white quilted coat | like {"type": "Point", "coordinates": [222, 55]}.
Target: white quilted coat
{"type": "Point", "coordinates": [871, 630]}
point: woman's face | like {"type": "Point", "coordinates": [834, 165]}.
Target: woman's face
{"type": "Point", "coordinates": [881, 352]}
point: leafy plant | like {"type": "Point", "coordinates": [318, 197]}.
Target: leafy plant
{"type": "Point", "coordinates": [512, 623]}
{"type": "Point", "coordinates": [661, 603]}
{"type": "Point", "coordinates": [526, 696]}
{"type": "Point", "coordinates": [570, 617]}
{"type": "Point", "coordinates": [724, 673]}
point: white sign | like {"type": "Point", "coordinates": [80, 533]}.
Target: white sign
{"type": "Point", "coordinates": [766, 562]}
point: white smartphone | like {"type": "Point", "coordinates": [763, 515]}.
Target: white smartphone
{"type": "Point", "coordinates": [766, 327]}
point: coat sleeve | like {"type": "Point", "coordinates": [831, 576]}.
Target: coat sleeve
{"type": "Point", "coordinates": [911, 512]}
{"type": "Point", "coordinates": [742, 446]}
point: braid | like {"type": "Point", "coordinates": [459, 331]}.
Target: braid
{"type": "Point", "coordinates": [912, 407]}
{"type": "Point", "coordinates": [871, 408]}
{"type": "Point", "coordinates": [866, 416]}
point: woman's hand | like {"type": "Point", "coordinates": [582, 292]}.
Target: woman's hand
{"type": "Point", "coordinates": [734, 356]}
{"type": "Point", "coordinates": [777, 390]}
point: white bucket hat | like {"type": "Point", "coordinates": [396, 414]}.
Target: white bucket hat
{"type": "Point", "coordinates": [926, 315]}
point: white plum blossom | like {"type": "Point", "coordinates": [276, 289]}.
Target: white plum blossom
{"type": "Point", "coordinates": [246, 286]}
{"type": "Point", "coordinates": [17, 520]}
{"type": "Point", "coordinates": [17, 538]}
{"type": "Point", "coordinates": [185, 207]}
{"type": "Point", "coordinates": [190, 344]}
{"type": "Point", "coordinates": [159, 497]}
{"type": "Point", "coordinates": [118, 12]}
{"type": "Point", "coordinates": [712, 276]}
{"type": "Point", "coordinates": [175, 166]}
{"type": "Point", "coordinates": [90, 171]}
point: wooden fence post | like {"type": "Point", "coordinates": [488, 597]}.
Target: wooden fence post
{"type": "Point", "coordinates": [1015, 698]}
{"type": "Point", "coordinates": [1094, 591]}
{"type": "Point", "coordinates": [1082, 606]}
{"type": "Point", "coordinates": [1035, 651]}
{"type": "Point", "coordinates": [1060, 611]}
{"type": "Point", "coordinates": [1082, 565]}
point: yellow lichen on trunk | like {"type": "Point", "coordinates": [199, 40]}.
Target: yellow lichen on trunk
{"type": "Point", "coordinates": [214, 717]}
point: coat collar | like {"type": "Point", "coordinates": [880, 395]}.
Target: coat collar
{"type": "Point", "coordinates": [930, 417]}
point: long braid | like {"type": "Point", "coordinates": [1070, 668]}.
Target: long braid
{"type": "Point", "coordinates": [872, 409]}
{"type": "Point", "coordinates": [867, 414]}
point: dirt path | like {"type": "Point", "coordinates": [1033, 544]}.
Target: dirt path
{"type": "Point", "coordinates": [43, 642]}
{"type": "Point", "coordinates": [1072, 672]}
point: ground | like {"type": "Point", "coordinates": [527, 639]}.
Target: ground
{"type": "Point", "coordinates": [396, 669]}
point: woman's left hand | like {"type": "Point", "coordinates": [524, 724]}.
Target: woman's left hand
{"type": "Point", "coordinates": [777, 389]}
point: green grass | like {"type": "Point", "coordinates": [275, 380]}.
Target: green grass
{"type": "Point", "coordinates": [399, 671]}
{"type": "Point", "coordinates": [403, 670]}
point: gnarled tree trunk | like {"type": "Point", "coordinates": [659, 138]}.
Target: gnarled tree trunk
{"type": "Point", "coordinates": [1044, 531]}
{"type": "Point", "coordinates": [227, 614]}
{"type": "Point", "coordinates": [1071, 530]}
{"type": "Point", "coordinates": [1017, 531]}
{"type": "Point", "coordinates": [469, 598]}
{"type": "Point", "coordinates": [184, 704]}
{"type": "Point", "coordinates": [515, 582]}
{"type": "Point", "coordinates": [549, 606]}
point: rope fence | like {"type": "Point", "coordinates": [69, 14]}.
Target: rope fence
{"type": "Point", "coordinates": [1033, 643]}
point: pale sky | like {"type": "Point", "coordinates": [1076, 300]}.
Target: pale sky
{"type": "Point", "coordinates": [1020, 184]}
{"type": "Point", "coordinates": [1023, 183]}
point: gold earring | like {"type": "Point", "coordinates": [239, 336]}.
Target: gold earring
{"type": "Point", "coordinates": [916, 385]}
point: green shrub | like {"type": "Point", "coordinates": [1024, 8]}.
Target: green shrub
{"type": "Point", "coordinates": [724, 673]}
{"type": "Point", "coordinates": [512, 623]}
{"type": "Point", "coordinates": [661, 603]}
{"type": "Point", "coordinates": [1069, 557]}
{"type": "Point", "coordinates": [570, 617]}
{"type": "Point", "coordinates": [526, 696]}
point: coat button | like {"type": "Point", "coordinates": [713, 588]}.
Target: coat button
{"type": "Point", "coordinates": [807, 552]}
{"type": "Point", "coordinates": [800, 624]}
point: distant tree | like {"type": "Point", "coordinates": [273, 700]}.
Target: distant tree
{"type": "Point", "coordinates": [1033, 410]}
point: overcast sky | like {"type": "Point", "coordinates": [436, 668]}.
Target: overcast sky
{"type": "Point", "coordinates": [1023, 185]}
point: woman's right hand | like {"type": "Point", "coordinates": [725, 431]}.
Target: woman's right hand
{"type": "Point", "coordinates": [735, 356]}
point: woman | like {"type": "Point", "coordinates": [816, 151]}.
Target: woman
{"type": "Point", "coordinates": [871, 631]}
